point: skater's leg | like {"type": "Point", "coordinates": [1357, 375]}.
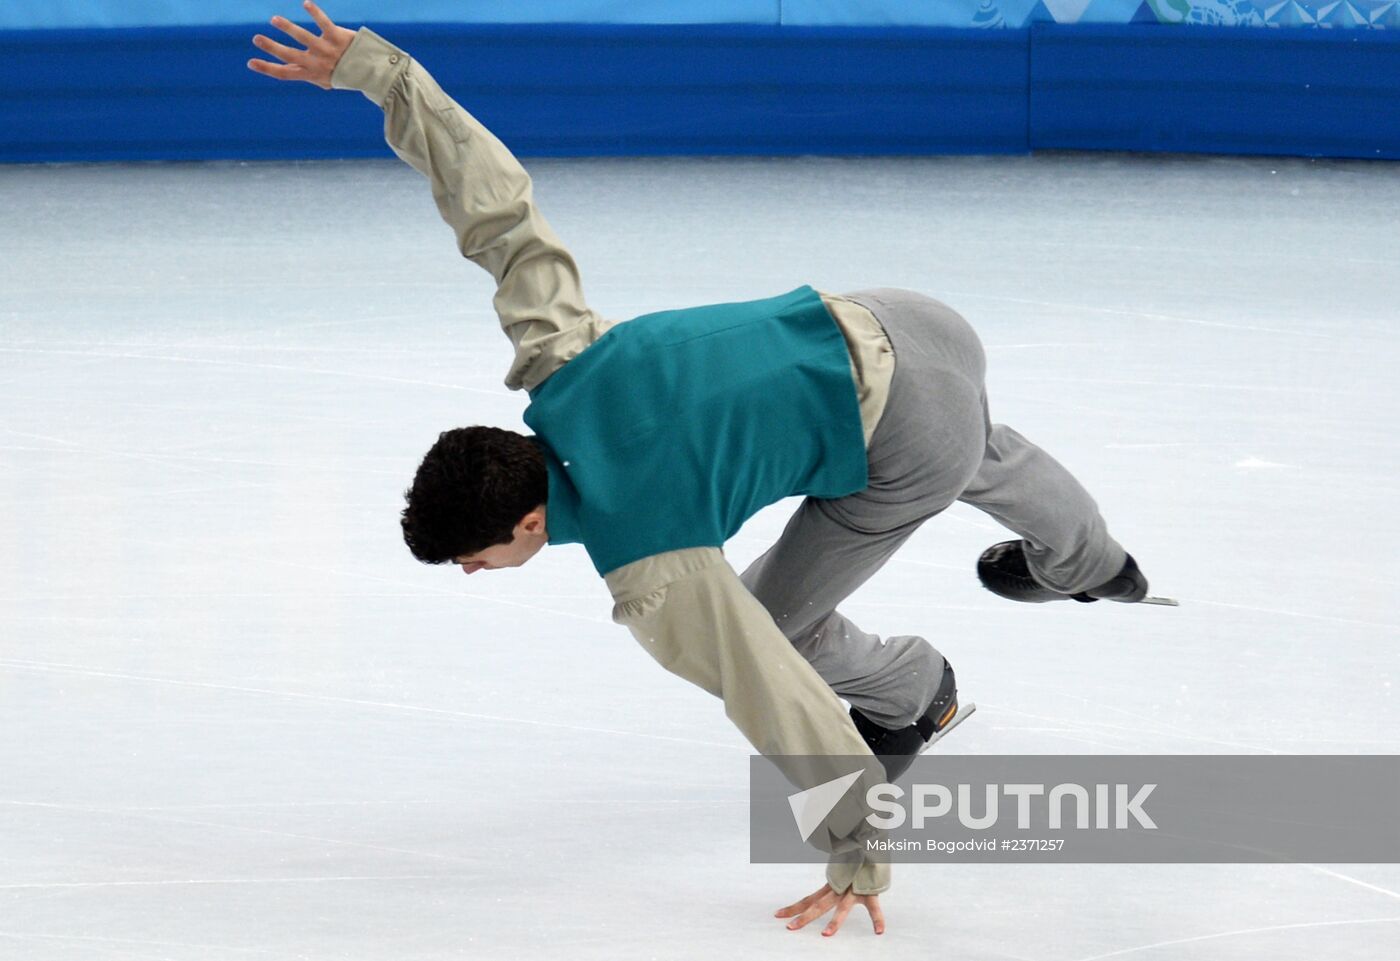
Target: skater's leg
{"type": "Point", "coordinates": [814, 566]}
{"type": "Point", "coordinates": [1068, 547]}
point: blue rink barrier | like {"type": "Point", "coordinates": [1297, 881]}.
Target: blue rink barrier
{"type": "Point", "coordinates": [1307, 92]}
{"type": "Point", "coordinates": [184, 93]}
{"type": "Point", "coordinates": [584, 89]}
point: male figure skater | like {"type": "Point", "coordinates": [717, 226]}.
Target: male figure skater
{"type": "Point", "coordinates": [657, 438]}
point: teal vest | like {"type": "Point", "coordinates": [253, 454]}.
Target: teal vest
{"type": "Point", "coordinates": [673, 429]}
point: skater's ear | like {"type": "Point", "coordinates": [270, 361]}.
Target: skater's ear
{"type": "Point", "coordinates": [534, 522]}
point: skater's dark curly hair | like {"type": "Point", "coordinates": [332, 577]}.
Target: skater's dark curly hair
{"type": "Point", "coordinates": [472, 488]}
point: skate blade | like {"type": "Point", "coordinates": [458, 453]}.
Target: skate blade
{"type": "Point", "coordinates": [965, 711]}
{"type": "Point", "coordinates": [1163, 601]}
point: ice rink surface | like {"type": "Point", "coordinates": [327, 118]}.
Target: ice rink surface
{"type": "Point", "coordinates": [239, 722]}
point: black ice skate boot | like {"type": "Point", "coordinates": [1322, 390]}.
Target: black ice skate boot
{"type": "Point", "coordinates": [1002, 569]}
{"type": "Point", "coordinates": [896, 750]}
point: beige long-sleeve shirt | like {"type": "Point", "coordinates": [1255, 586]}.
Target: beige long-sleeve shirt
{"type": "Point", "coordinates": [687, 608]}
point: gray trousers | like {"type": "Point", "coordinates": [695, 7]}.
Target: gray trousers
{"type": "Point", "coordinates": [935, 444]}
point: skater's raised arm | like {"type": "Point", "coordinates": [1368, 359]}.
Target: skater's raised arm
{"type": "Point", "coordinates": [481, 190]}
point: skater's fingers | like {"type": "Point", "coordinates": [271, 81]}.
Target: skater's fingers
{"type": "Point", "coordinates": [324, 22]}
{"type": "Point", "coordinates": [297, 32]}
{"type": "Point", "coordinates": [804, 918]}
{"type": "Point", "coordinates": [280, 71]}
{"type": "Point", "coordinates": [814, 911]}
{"type": "Point", "coordinates": [281, 50]}
{"type": "Point", "coordinates": [848, 901]}
{"type": "Point", "coordinates": [799, 906]}
{"type": "Point", "coordinates": [877, 916]}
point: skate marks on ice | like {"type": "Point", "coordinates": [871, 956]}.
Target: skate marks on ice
{"type": "Point", "coordinates": [1239, 933]}
{"type": "Point", "coordinates": [408, 709]}
{"type": "Point", "coordinates": [272, 426]}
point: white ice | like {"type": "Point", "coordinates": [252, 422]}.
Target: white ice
{"type": "Point", "coordinates": [239, 723]}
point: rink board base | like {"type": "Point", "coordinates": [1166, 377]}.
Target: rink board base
{"type": "Point", "coordinates": [582, 89]}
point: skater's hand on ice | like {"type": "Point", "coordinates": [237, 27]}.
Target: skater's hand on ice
{"type": "Point", "coordinates": [823, 900]}
{"type": "Point", "coordinates": [317, 62]}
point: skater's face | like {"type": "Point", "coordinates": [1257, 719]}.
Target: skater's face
{"type": "Point", "coordinates": [529, 536]}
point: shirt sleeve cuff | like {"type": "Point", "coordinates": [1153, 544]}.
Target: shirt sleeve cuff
{"type": "Point", "coordinates": [370, 65]}
{"type": "Point", "coordinates": [867, 877]}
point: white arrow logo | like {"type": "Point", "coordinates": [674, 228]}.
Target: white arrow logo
{"type": "Point", "coordinates": [810, 807]}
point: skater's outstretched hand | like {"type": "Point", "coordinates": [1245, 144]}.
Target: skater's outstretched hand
{"type": "Point", "coordinates": [823, 900]}
{"type": "Point", "coordinates": [316, 63]}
